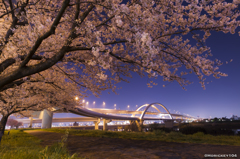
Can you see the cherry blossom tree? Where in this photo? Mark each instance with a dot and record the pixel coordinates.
(14, 123)
(45, 90)
(103, 41)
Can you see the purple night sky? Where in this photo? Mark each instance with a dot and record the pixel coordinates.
(221, 97)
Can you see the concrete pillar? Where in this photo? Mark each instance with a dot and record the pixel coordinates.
(47, 119)
(31, 121)
(132, 125)
(139, 124)
(168, 123)
(105, 121)
(96, 124)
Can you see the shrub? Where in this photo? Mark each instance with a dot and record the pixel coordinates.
(220, 131)
(159, 132)
(199, 134)
(175, 134)
(132, 127)
(156, 126)
(191, 130)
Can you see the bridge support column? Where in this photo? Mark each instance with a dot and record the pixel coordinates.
(96, 124)
(31, 121)
(105, 121)
(139, 124)
(168, 123)
(133, 126)
(47, 119)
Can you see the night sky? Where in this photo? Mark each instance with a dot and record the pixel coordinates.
(220, 98)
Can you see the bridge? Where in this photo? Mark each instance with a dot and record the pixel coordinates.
(107, 115)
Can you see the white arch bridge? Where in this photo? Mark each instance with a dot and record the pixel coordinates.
(107, 115)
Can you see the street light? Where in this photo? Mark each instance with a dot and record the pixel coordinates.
(94, 102)
(83, 101)
(104, 103)
(115, 105)
(76, 98)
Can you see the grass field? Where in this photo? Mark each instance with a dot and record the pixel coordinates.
(20, 145)
(157, 135)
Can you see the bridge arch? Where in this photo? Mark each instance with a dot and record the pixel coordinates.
(147, 105)
(152, 105)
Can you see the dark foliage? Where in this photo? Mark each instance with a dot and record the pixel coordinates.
(219, 131)
(206, 130)
(192, 130)
(156, 126)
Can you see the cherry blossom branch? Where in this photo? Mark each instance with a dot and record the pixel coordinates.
(21, 81)
(171, 78)
(2, 99)
(51, 83)
(14, 23)
(47, 34)
(8, 62)
(11, 7)
(17, 7)
(71, 77)
(76, 48)
(12, 84)
(23, 109)
(5, 5)
(25, 71)
(104, 22)
(79, 48)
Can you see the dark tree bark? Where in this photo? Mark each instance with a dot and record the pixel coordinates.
(2, 125)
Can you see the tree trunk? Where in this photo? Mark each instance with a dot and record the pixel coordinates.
(2, 125)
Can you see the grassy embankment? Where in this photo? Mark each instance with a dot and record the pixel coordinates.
(157, 135)
(20, 145)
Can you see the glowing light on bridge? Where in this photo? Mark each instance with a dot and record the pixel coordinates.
(128, 106)
(87, 103)
(83, 101)
(115, 105)
(104, 103)
(94, 102)
(76, 98)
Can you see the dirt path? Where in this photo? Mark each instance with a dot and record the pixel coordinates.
(113, 148)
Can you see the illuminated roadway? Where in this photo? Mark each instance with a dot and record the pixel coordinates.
(93, 114)
(117, 114)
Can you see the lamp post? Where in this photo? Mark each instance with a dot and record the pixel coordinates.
(87, 104)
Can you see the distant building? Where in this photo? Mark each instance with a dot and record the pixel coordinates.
(205, 120)
(225, 119)
(235, 117)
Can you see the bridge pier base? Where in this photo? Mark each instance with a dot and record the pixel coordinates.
(139, 124)
(46, 119)
(96, 124)
(31, 121)
(105, 121)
